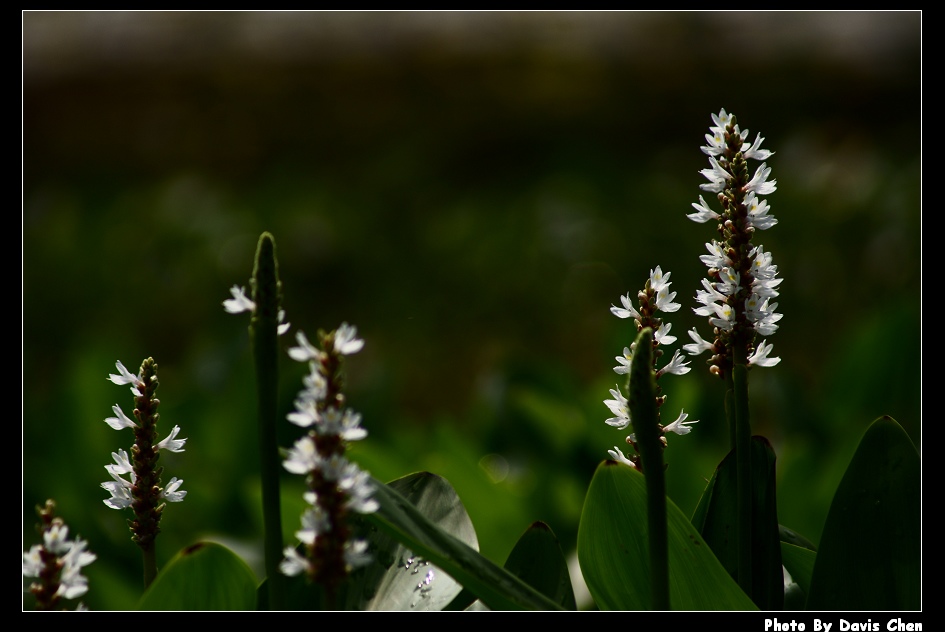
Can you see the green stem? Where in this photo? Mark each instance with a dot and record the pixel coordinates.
(743, 474)
(730, 410)
(150, 564)
(264, 337)
(645, 416)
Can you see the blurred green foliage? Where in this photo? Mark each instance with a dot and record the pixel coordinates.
(472, 191)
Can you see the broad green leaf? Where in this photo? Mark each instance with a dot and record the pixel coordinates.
(715, 517)
(612, 550)
(466, 600)
(537, 560)
(405, 523)
(400, 579)
(870, 549)
(204, 576)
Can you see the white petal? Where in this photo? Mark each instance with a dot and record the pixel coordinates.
(239, 303)
(305, 351)
(125, 376)
(170, 492)
(346, 341)
(170, 443)
(703, 212)
(293, 563)
(680, 426)
(760, 356)
(121, 421)
(627, 311)
(617, 455)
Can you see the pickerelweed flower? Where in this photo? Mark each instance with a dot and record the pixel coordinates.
(742, 279)
(136, 480)
(56, 563)
(336, 486)
(655, 297)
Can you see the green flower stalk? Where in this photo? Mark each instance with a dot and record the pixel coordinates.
(737, 295)
(641, 408)
(265, 327)
(336, 486)
(644, 408)
(142, 491)
(56, 563)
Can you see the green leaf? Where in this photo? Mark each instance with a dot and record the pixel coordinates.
(715, 517)
(398, 578)
(793, 537)
(612, 550)
(204, 576)
(797, 556)
(799, 564)
(406, 523)
(870, 548)
(538, 561)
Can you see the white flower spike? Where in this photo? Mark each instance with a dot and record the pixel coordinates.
(329, 424)
(742, 280)
(136, 481)
(57, 563)
(655, 297)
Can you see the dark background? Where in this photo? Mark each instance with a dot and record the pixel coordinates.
(472, 191)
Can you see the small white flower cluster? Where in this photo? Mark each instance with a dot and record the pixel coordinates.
(70, 557)
(242, 303)
(120, 488)
(659, 288)
(332, 425)
(716, 142)
(717, 299)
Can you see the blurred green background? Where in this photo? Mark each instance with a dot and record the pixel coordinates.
(472, 191)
